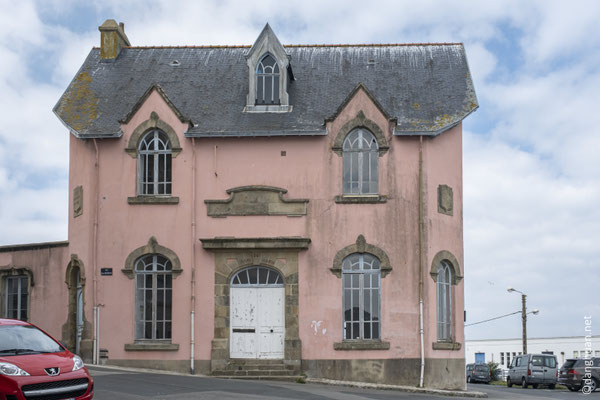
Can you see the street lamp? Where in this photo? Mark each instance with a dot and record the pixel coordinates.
(524, 316)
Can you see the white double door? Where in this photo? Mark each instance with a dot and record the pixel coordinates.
(257, 322)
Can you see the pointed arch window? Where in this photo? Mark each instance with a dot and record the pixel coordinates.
(360, 163)
(267, 81)
(154, 164)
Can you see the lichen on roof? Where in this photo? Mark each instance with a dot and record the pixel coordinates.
(425, 89)
(78, 107)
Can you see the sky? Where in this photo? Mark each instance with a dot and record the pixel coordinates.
(530, 152)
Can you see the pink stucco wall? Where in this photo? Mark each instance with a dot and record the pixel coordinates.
(48, 294)
(309, 170)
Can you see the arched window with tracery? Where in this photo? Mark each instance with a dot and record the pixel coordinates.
(361, 280)
(360, 163)
(257, 276)
(154, 164)
(153, 298)
(267, 81)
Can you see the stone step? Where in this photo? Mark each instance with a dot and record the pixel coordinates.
(237, 367)
(286, 378)
(255, 361)
(255, 372)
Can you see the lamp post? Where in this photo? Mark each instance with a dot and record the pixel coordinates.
(523, 316)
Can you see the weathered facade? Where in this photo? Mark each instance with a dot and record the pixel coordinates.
(295, 206)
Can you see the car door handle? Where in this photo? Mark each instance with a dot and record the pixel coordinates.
(237, 330)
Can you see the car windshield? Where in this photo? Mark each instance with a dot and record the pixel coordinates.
(568, 364)
(481, 368)
(25, 339)
(537, 361)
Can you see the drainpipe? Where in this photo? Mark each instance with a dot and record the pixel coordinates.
(96, 346)
(193, 243)
(421, 227)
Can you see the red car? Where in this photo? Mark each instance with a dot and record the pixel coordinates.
(35, 366)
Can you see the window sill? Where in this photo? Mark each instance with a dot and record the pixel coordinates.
(361, 345)
(153, 200)
(360, 199)
(152, 346)
(267, 108)
(446, 346)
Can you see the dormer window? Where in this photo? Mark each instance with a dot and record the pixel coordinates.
(267, 81)
(269, 75)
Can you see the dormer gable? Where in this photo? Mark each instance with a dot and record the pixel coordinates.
(269, 74)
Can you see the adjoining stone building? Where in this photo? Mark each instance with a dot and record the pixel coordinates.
(296, 206)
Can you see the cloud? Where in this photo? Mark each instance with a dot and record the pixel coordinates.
(531, 167)
(527, 228)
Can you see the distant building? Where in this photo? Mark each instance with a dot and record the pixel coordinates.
(503, 351)
(230, 204)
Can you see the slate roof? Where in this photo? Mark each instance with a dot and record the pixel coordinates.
(425, 88)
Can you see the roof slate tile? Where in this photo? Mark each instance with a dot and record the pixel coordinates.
(427, 89)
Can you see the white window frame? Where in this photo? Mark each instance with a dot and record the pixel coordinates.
(155, 266)
(355, 268)
(253, 277)
(360, 159)
(268, 73)
(22, 282)
(444, 301)
(156, 146)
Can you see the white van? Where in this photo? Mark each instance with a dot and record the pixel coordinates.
(534, 370)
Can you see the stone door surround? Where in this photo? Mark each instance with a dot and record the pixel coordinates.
(234, 254)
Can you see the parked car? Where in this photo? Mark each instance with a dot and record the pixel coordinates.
(478, 373)
(33, 365)
(534, 370)
(573, 373)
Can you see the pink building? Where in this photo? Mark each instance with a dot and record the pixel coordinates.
(260, 210)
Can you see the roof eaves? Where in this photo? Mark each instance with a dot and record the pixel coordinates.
(76, 133)
(101, 135)
(435, 132)
(265, 133)
(32, 246)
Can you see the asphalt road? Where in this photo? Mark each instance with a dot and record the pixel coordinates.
(517, 392)
(111, 384)
(122, 385)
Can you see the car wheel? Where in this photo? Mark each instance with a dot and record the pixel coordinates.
(535, 386)
(508, 382)
(551, 386)
(468, 379)
(593, 385)
(523, 383)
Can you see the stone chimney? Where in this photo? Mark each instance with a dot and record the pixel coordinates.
(112, 39)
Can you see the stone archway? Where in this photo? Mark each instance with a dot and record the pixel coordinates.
(77, 331)
(235, 254)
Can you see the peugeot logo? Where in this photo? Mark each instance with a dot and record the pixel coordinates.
(52, 371)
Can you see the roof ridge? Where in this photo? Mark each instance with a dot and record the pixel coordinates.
(297, 45)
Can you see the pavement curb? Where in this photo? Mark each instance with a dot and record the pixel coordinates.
(363, 385)
(408, 389)
(93, 367)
